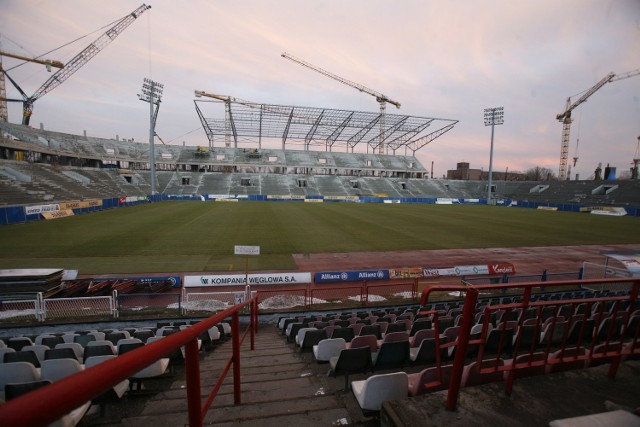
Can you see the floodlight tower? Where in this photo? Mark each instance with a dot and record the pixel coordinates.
(492, 117)
(152, 93)
(636, 161)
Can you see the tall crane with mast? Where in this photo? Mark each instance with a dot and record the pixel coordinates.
(48, 63)
(565, 117)
(382, 99)
(75, 63)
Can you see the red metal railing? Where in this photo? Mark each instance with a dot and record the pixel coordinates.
(61, 397)
(387, 289)
(570, 352)
(338, 292)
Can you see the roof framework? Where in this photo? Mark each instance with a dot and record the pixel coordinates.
(322, 128)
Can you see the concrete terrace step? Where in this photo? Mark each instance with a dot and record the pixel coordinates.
(280, 387)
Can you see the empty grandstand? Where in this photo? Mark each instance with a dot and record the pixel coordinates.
(38, 166)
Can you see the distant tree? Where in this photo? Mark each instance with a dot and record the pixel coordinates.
(539, 173)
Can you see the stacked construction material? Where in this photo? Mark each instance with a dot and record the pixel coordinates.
(18, 284)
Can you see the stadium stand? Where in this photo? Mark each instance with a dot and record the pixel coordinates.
(37, 165)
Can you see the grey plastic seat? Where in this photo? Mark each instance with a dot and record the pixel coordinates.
(375, 390)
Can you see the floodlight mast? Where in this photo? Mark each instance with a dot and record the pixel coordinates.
(383, 100)
(152, 93)
(492, 117)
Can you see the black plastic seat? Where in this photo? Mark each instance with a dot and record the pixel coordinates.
(350, 361)
(392, 355)
(23, 356)
(346, 333)
(60, 353)
(13, 390)
(311, 338)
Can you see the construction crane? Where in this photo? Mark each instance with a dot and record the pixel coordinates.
(565, 117)
(636, 161)
(383, 100)
(4, 115)
(75, 63)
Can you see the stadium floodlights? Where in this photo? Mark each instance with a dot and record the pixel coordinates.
(494, 116)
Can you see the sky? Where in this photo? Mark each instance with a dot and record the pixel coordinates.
(443, 59)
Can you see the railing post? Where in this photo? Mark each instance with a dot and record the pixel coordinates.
(235, 340)
(462, 342)
(192, 363)
(39, 308)
(252, 322)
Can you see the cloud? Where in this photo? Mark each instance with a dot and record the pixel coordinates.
(438, 59)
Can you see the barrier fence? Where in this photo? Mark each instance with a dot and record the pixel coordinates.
(270, 298)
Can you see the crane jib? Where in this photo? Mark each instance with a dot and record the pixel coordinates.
(80, 60)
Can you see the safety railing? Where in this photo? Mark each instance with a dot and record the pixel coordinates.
(398, 291)
(605, 331)
(148, 303)
(326, 296)
(59, 398)
(65, 308)
(282, 298)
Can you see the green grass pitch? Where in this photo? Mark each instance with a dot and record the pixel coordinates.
(200, 236)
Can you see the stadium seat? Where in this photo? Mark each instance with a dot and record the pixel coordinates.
(17, 343)
(328, 348)
(39, 350)
(427, 351)
(350, 361)
(345, 333)
(22, 356)
(364, 341)
(76, 347)
(56, 369)
(471, 374)
(375, 390)
(429, 380)
(391, 355)
(312, 338)
(17, 372)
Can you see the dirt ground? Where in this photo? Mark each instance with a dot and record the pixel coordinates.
(554, 259)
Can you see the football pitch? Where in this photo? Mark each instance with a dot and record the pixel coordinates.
(175, 237)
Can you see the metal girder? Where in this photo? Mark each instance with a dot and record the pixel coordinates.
(325, 127)
(388, 132)
(422, 141)
(405, 138)
(336, 133)
(362, 132)
(286, 128)
(312, 131)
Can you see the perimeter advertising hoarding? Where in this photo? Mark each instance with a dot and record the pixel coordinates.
(38, 209)
(471, 270)
(240, 279)
(175, 280)
(350, 276)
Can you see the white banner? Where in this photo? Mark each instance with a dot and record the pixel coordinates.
(460, 270)
(240, 279)
(246, 250)
(31, 210)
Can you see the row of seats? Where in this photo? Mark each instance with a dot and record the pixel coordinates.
(373, 391)
(27, 363)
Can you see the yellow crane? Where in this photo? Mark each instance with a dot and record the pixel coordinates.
(48, 63)
(565, 117)
(382, 99)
